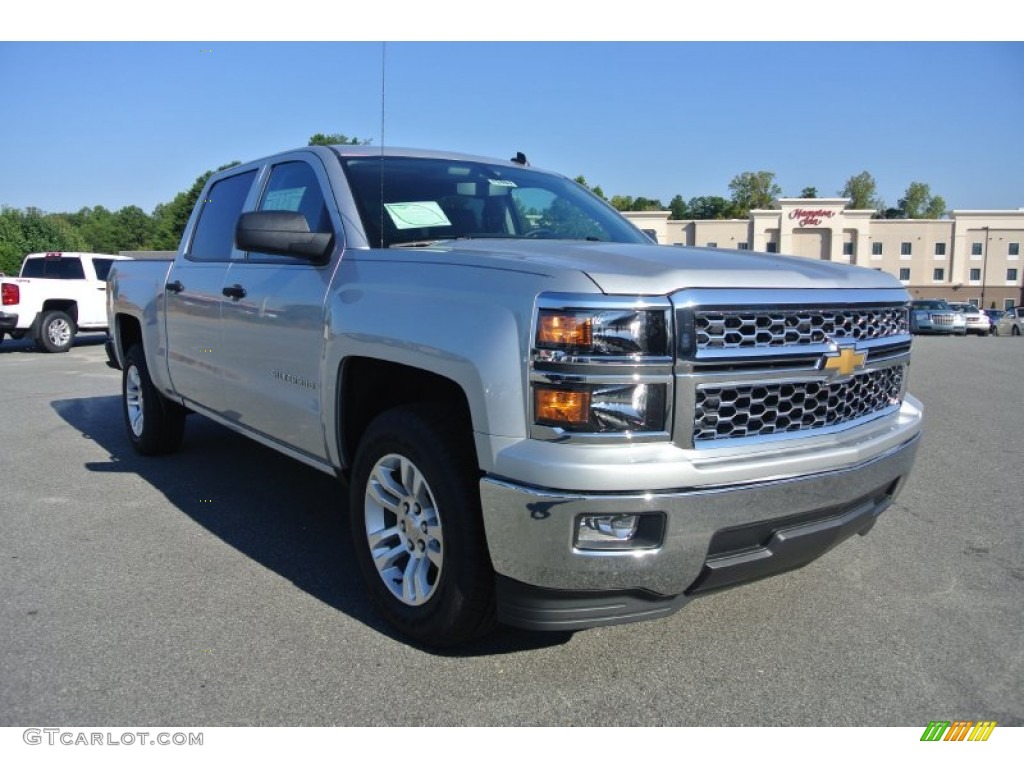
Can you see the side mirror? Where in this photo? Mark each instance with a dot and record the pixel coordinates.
(284, 233)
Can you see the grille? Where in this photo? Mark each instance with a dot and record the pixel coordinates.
(769, 409)
(941, 319)
(739, 329)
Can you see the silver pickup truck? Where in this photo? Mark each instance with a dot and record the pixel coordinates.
(542, 417)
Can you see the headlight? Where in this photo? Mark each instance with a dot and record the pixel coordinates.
(601, 333)
(601, 407)
(601, 366)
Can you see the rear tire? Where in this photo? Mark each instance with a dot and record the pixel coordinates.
(155, 425)
(56, 331)
(417, 528)
(1015, 331)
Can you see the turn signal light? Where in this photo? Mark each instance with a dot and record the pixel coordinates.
(561, 407)
(564, 330)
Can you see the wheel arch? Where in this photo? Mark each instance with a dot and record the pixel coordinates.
(367, 387)
(127, 331)
(69, 306)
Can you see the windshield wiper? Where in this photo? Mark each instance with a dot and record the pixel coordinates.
(418, 243)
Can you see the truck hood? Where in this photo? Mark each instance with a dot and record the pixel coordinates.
(624, 268)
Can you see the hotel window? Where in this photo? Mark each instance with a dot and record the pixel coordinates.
(743, 246)
(712, 244)
(1008, 304)
(905, 249)
(904, 273)
(876, 249)
(938, 274)
(975, 274)
(773, 247)
(1011, 275)
(847, 249)
(940, 249)
(1013, 249)
(975, 249)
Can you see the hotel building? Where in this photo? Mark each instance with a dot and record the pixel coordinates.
(971, 256)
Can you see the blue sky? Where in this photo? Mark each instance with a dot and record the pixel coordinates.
(121, 123)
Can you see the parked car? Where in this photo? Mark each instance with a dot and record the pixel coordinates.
(977, 321)
(936, 316)
(1011, 323)
(55, 296)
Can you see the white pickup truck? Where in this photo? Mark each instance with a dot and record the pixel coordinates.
(542, 416)
(55, 296)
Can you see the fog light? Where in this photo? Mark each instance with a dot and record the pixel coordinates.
(606, 531)
(621, 532)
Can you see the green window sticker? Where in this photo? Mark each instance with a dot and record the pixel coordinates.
(416, 215)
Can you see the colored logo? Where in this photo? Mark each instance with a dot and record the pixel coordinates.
(958, 730)
(845, 363)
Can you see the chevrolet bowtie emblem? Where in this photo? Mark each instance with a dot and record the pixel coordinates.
(846, 362)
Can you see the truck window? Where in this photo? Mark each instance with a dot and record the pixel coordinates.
(102, 268)
(215, 233)
(33, 268)
(61, 268)
(293, 186)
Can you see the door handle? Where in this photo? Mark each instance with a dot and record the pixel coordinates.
(234, 291)
(175, 287)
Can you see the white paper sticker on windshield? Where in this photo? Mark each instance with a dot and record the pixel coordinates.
(502, 182)
(415, 215)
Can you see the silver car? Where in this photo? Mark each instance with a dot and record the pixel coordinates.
(977, 321)
(1011, 323)
(936, 316)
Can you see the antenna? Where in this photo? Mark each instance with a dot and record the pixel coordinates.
(383, 59)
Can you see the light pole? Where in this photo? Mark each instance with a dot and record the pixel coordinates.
(984, 268)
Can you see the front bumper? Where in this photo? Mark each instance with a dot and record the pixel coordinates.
(713, 538)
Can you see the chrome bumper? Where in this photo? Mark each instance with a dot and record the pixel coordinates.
(530, 530)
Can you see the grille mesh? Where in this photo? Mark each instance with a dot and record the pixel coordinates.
(739, 329)
(769, 409)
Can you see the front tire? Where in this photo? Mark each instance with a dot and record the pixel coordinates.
(155, 425)
(417, 527)
(56, 331)
(1015, 331)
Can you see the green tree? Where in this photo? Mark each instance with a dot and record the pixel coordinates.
(582, 181)
(325, 139)
(135, 229)
(169, 219)
(753, 189)
(710, 207)
(647, 204)
(678, 208)
(862, 191)
(32, 231)
(809, 193)
(622, 202)
(98, 227)
(919, 203)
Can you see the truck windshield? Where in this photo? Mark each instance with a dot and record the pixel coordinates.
(417, 201)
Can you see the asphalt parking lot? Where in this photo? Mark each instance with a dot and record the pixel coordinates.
(217, 587)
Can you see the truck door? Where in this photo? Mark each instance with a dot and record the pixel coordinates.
(193, 295)
(273, 320)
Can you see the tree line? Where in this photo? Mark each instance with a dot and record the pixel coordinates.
(758, 190)
(100, 230)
